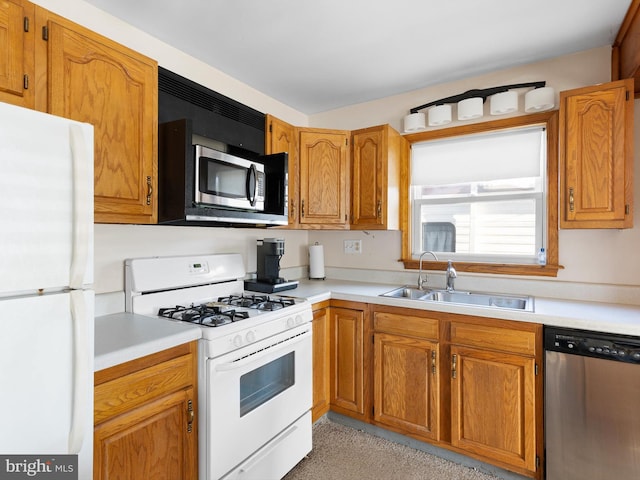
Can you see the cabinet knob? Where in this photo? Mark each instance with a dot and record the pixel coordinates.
(149, 190)
(454, 366)
(379, 209)
(433, 362)
(190, 416)
(302, 208)
(571, 200)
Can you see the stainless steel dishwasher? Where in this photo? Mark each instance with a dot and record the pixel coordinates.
(592, 405)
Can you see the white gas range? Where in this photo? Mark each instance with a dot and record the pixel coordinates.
(254, 365)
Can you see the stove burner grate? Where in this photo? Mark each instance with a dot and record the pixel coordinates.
(206, 315)
(257, 302)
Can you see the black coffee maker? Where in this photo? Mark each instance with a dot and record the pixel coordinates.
(268, 279)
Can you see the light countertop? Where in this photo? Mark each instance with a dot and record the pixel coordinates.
(604, 317)
(122, 337)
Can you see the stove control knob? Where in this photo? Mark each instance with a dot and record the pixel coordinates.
(298, 319)
(250, 336)
(237, 341)
(290, 323)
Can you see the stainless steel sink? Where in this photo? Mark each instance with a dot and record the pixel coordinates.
(412, 293)
(481, 299)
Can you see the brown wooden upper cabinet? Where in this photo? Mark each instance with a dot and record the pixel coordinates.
(596, 156)
(625, 54)
(16, 51)
(324, 178)
(92, 79)
(375, 174)
(282, 137)
(53, 65)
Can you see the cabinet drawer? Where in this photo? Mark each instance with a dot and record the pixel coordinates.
(406, 325)
(121, 394)
(494, 337)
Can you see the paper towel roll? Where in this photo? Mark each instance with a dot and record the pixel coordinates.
(316, 261)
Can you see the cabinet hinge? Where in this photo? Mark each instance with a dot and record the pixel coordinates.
(346, 142)
(536, 369)
(25, 81)
(373, 411)
(270, 128)
(627, 209)
(537, 462)
(25, 24)
(627, 92)
(45, 33)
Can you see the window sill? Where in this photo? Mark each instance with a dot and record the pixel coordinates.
(494, 268)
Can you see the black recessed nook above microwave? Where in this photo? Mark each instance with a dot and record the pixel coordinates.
(211, 165)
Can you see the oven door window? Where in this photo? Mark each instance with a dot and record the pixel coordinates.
(262, 384)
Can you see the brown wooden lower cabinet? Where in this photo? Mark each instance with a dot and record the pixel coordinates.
(145, 418)
(406, 374)
(349, 359)
(469, 384)
(321, 360)
(493, 406)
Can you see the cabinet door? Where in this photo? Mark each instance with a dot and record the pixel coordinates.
(406, 384)
(281, 137)
(369, 159)
(95, 80)
(347, 360)
(17, 52)
(321, 363)
(493, 405)
(156, 440)
(596, 126)
(324, 177)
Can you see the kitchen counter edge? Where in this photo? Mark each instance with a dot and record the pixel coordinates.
(121, 337)
(594, 316)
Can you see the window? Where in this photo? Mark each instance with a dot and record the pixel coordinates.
(485, 195)
(481, 197)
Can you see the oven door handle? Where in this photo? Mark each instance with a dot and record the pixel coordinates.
(242, 361)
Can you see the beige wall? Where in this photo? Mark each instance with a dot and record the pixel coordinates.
(593, 256)
(602, 258)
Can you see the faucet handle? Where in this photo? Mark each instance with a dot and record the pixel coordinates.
(451, 271)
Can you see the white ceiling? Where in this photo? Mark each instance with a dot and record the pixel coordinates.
(317, 55)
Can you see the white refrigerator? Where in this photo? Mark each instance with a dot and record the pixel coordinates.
(46, 296)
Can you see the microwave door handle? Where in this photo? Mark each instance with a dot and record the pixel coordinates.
(252, 184)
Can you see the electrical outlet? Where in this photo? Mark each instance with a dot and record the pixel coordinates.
(353, 246)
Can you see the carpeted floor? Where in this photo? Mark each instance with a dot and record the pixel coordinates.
(343, 453)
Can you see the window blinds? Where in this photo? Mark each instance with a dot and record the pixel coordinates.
(482, 157)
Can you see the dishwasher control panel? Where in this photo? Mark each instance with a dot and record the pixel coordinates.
(622, 348)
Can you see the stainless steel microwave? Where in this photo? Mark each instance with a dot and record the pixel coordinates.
(199, 184)
(228, 181)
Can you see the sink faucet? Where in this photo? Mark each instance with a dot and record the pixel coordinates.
(451, 275)
(422, 281)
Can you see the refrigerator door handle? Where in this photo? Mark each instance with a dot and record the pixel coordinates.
(81, 361)
(82, 206)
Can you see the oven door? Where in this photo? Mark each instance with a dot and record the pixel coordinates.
(254, 394)
(224, 180)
